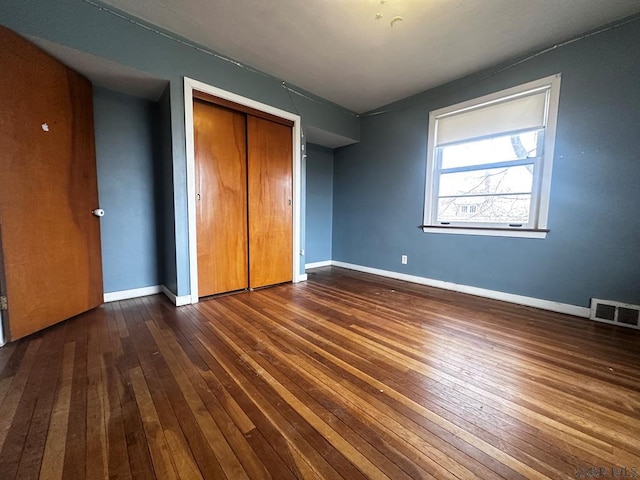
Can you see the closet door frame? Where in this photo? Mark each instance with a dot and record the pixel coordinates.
(190, 86)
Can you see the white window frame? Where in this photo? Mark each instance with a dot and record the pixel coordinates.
(537, 227)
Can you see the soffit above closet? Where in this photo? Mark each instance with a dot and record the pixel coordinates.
(105, 73)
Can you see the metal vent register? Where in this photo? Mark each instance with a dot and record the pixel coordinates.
(617, 313)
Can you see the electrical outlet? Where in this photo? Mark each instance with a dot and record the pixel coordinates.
(404, 259)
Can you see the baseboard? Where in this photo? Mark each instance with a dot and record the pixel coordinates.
(302, 277)
(134, 293)
(480, 292)
(325, 263)
(177, 301)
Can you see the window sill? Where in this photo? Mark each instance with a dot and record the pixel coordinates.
(484, 231)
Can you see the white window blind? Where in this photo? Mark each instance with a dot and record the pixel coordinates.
(489, 162)
(507, 115)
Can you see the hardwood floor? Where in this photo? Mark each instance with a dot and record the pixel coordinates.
(346, 376)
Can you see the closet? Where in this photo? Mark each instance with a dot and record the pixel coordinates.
(244, 212)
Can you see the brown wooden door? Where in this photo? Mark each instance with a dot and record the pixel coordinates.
(270, 202)
(50, 241)
(221, 202)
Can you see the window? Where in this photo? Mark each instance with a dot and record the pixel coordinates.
(489, 163)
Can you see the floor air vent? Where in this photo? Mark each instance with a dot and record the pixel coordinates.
(617, 313)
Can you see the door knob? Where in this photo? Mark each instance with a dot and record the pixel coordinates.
(98, 212)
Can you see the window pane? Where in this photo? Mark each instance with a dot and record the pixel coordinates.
(496, 209)
(490, 150)
(493, 180)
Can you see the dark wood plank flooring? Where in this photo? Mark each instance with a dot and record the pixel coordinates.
(346, 376)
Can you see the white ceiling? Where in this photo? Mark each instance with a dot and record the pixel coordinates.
(337, 49)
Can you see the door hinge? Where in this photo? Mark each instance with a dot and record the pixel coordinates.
(3, 303)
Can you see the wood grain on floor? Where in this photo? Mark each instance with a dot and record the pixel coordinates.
(346, 376)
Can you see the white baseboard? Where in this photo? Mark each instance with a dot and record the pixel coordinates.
(456, 287)
(177, 301)
(325, 263)
(480, 292)
(302, 277)
(134, 293)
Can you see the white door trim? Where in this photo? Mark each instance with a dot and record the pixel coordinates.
(189, 86)
(2, 341)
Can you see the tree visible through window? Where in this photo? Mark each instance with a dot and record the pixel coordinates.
(488, 179)
(490, 160)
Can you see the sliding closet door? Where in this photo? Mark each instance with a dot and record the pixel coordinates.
(221, 201)
(270, 202)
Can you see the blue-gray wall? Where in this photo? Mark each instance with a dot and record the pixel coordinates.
(593, 247)
(125, 156)
(379, 184)
(85, 27)
(164, 195)
(319, 199)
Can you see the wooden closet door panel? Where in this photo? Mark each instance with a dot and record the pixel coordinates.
(221, 205)
(50, 241)
(270, 202)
